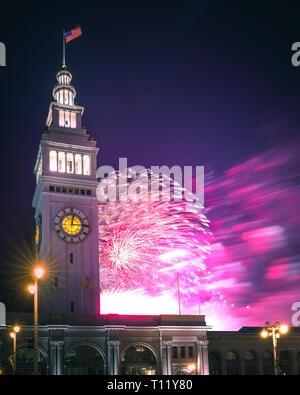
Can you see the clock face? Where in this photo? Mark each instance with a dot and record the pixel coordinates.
(71, 225)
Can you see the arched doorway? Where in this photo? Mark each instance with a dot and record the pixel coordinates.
(232, 363)
(138, 360)
(25, 361)
(250, 363)
(214, 363)
(84, 360)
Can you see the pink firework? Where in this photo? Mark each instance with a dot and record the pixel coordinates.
(152, 246)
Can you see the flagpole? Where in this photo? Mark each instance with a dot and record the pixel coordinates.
(64, 49)
(178, 290)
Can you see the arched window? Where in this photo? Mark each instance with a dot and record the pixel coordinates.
(250, 363)
(138, 360)
(61, 162)
(25, 361)
(78, 164)
(284, 363)
(53, 160)
(268, 363)
(214, 363)
(70, 163)
(86, 165)
(84, 360)
(232, 363)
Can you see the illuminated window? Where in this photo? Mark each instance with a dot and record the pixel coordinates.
(86, 165)
(66, 97)
(78, 164)
(61, 117)
(70, 163)
(73, 120)
(53, 160)
(61, 162)
(67, 119)
(61, 96)
(64, 118)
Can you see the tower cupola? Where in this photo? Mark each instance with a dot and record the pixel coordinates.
(64, 92)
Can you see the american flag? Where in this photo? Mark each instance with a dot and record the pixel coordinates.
(72, 34)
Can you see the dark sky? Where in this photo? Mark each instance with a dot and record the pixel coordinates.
(162, 83)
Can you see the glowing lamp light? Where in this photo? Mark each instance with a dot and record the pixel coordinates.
(39, 272)
(17, 328)
(12, 335)
(191, 367)
(264, 334)
(284, 329)
(31, 289)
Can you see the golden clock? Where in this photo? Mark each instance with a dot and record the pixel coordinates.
(71, 225)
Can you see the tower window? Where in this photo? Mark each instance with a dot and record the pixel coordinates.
(82, 191)
(72, 307)
(66, 97)
(73, 120)
(78, 164)
(70, 163)
(191, 351)
(67, 119)
(51, 188)
(86, 165)
(61, 162)
(71, 257)
(53, 160)
(56, 281)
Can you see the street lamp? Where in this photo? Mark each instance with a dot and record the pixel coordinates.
(38, 273)
(13, 335)
(274, 331)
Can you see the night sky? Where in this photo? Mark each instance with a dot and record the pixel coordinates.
(162, 82)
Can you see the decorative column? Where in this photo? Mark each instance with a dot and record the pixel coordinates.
(56, 357)
(169, 357)
(202, 357)
(163, 357)
(60, 358)
(110, 356)
(113, 357)
(205, 357)
(199, 358)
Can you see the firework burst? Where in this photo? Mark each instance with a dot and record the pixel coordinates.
(146, 244)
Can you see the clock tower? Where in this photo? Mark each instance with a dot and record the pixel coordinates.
(66, 207)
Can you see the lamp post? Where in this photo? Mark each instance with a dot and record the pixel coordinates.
(13, 335)
(274, 331)
(38, 273)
